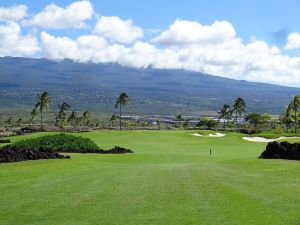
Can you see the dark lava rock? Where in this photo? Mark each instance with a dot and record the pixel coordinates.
(12, 154)
(29, 130)
(116, 150)
(283, 150)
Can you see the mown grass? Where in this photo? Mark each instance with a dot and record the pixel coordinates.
(171, 179)
(272, 135)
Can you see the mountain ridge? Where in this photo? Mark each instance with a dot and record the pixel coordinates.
(94, 87)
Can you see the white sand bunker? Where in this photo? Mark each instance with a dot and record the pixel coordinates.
(265, 140)
(197, 135)
(217, 135)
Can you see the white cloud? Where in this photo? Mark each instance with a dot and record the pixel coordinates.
(213, 49)
(83, 49)
(293, 41)
(55, 17)
(13, 43)
(116, 29)
(13, 13)
(184, 32)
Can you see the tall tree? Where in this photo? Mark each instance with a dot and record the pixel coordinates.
(294, 107)
(61, 116)
(33, 113)
(225, 114)
(9, 121)
(239, 107)
(179, 117)
(86, 118)
(43, 102)
(258, 121)
(72, 118)
(158, 122)
(112, 119)
(19, 121)
(286, 118)
(121, 101)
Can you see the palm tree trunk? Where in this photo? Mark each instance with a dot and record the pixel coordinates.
(224, 124)
(120, 117)
(41, 120)
(236, 117)
(295, 124)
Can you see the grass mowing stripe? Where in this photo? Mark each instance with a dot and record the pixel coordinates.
(170, 179)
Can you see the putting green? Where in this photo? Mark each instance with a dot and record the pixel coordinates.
(171, 179)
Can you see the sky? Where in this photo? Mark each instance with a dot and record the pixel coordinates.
(247, 40)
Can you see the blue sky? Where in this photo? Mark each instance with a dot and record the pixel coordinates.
(269, 20)
(251, 40)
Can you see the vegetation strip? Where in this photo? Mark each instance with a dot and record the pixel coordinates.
(266, 140)
(48, 147)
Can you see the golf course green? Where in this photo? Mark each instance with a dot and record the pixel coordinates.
(170, 179)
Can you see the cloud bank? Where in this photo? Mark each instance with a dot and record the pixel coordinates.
(55, 17)
(208, 48)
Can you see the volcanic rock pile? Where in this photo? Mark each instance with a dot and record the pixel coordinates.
(10, 153)
(283, 150)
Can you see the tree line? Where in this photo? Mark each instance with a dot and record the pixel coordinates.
(228, 114)
(289, 118)
(43, 103)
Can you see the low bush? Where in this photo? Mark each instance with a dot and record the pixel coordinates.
(66, 143)
(283, 150)
(58, 143)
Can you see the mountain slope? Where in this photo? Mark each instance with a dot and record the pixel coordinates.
(95, 86)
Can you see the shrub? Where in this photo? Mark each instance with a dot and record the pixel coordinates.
(65, 143)
(208, 123)
(58, 143)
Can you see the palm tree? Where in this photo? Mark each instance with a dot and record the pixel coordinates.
(61, 116)
(43, 102)
(158, 122)
(286, 117)
(225, 114)
(32, 115)
(86, 118)
(179, 117)
(122, 100)
(294, 106)
(239, 107)
(72, 118)
(19, 121)
(112, 119)
(9, 121)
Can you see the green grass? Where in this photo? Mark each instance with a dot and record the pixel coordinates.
(171, 179)
(272, 135)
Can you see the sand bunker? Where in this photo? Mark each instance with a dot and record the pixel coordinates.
(265, 140)
(210, 135)
(197, 135)
(217, 135)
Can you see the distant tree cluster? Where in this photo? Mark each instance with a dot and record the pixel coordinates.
(290, 116)
(229, 116)
(226, 112)
(257, 122)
